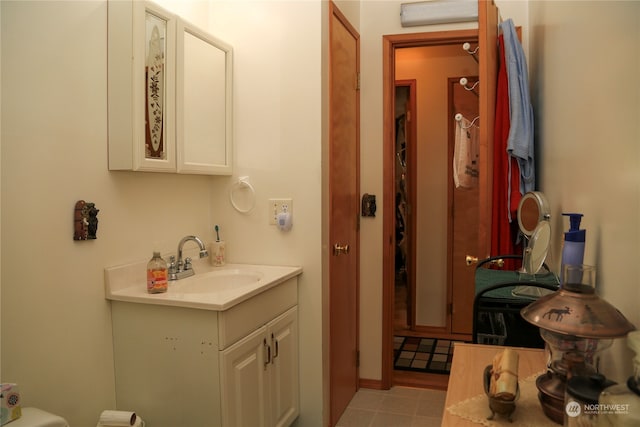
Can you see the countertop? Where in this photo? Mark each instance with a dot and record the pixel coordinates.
(128, 283)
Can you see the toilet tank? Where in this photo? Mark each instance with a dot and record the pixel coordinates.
(34, 417)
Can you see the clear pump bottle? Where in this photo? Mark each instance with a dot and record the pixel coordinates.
(157, 275)
(619, 405)
(573, 244)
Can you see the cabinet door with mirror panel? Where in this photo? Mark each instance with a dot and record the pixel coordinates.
(169, 93)
(203, 112)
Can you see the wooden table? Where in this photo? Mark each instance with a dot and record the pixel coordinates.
(465, 379)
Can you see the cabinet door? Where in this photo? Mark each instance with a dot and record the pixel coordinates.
(244, 370)
(203, 100)
(284, 377)
(141, 87)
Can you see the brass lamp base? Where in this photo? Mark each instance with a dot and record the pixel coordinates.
(551, 390)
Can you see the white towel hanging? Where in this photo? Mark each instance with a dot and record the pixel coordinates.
(466, 153)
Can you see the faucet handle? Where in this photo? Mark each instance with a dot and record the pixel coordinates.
(187, 263)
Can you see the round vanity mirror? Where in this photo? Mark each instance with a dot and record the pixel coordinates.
(536, 251)
(532, 210)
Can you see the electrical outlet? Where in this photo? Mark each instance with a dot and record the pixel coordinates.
(277, 206)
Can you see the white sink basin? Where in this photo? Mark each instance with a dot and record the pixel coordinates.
(211, 288)
(216, 281)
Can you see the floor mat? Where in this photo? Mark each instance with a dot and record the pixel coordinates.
(431, 355)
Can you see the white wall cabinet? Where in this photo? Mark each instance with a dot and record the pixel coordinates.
(169, 93)
(259, 375)
(179, 366)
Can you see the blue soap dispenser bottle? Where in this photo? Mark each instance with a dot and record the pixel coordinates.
(573, 245)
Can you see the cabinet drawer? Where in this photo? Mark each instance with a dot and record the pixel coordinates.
(246, 317)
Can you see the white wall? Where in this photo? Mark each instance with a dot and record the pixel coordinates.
(56, 332)
(0, 197)
(56, 326)
(277, 91)
(584, 66)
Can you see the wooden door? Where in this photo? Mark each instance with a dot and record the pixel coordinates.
(463, 223)
(478, 203)
(344, 208)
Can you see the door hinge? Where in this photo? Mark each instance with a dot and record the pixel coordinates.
(358, 81)
(450, 308)
(357, 358)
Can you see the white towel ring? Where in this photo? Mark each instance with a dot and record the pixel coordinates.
(242, 183)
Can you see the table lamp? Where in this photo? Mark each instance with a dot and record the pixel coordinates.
(576, 324)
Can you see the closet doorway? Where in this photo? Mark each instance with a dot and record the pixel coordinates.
(442, 250)
(436, 197)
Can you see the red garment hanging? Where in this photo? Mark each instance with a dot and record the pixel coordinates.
(503, 231)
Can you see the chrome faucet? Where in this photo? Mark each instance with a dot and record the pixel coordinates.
(180, 269)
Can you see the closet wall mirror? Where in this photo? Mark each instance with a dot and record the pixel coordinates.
(169, 93)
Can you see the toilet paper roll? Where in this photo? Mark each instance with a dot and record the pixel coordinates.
(117, 418)
(504, 378)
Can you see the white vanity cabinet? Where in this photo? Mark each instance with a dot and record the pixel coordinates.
(179, 366)
(260, 376)
(169, 93)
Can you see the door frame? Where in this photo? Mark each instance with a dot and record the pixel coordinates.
(390, 44)
(487, 34)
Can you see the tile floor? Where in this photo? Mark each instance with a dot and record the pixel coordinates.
(398, 407)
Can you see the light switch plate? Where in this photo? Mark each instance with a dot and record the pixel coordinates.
(277, 206)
